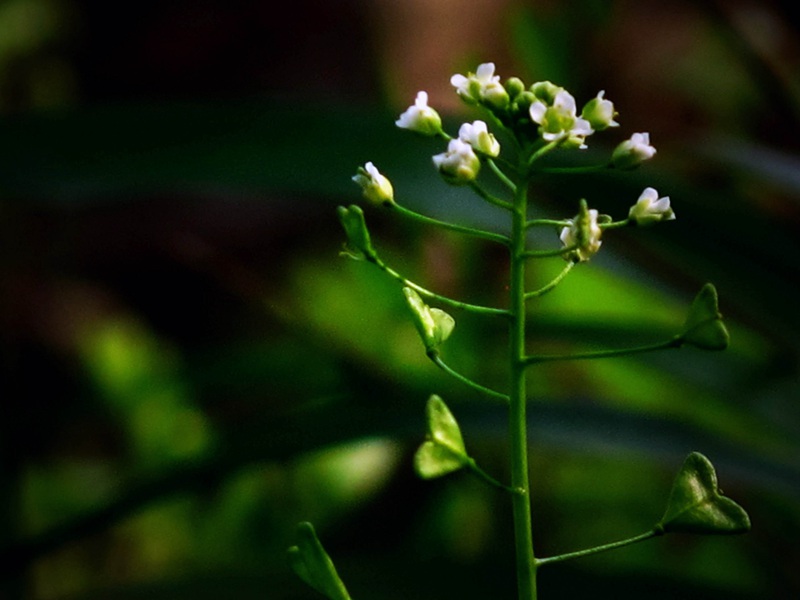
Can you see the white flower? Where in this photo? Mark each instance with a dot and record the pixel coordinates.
(460, 164)
(481, 86)
(477, 135)
(632, 152)
(560, 121)
(600, 113)
(420, 117)
(651, 209)
(377, 188)
(582, 234)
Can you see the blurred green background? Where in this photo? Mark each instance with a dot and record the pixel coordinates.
(189, 367)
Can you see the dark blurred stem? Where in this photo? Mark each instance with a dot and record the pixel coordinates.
(671, 343)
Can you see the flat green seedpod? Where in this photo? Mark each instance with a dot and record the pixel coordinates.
(359, 244)
(433, 324)
(696, 504)
(703, 327)
(313, 565)
(443, 451)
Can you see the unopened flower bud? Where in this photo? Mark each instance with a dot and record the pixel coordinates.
(649, 208)
(477, 135)
(522, 103)
(459, 165)
(514, 87)
(420, 117)
(377, 188)
(632, 152)
(545, 91)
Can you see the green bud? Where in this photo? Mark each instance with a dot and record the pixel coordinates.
(358, 244)
(514, 87)
(523, 101)
(496, 97)
(313, 565)
(434, 325)
(703, 327)
(443, 450)
(696, 504)
(545, 91)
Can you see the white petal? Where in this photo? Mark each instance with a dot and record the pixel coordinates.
(649, 194)
(484, 72)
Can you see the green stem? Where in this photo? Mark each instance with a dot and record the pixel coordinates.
(596, 550)
(549, 253)
(549, 147)
(486, 235)
(571, 170)
(672, 343)
(489, 198)
(473, 466)
(437, 360)
(544, 289)
(473, 308)
(615, 224)
(547, 222)
(501, 176)
(518, 433)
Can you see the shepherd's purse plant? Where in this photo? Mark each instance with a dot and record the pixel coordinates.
(535, 121)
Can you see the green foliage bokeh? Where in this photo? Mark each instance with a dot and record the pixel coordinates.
(189, 368)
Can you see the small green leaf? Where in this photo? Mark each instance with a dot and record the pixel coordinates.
(313, 565)
(696, 504)
(359, 245)
(433, 324)
(703, 327)
(443, 450)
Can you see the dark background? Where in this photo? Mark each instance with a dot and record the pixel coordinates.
(189, 367)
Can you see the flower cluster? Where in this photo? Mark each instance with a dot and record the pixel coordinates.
(540, 118)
